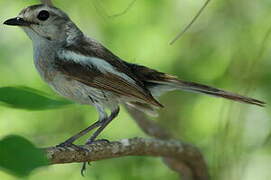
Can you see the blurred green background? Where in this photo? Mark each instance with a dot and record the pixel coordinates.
(228, 47)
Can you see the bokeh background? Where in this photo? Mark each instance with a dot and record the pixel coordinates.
(228, 47)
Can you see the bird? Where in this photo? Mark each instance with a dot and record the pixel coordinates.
(83, 70)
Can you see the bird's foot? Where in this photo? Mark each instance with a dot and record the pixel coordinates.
(90, 141)
(84, 168)
(68, 145)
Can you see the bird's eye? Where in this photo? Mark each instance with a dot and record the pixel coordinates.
(43, 15)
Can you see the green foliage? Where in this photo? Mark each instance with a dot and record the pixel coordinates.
(19, 156)
(28, 98)
(228, 47)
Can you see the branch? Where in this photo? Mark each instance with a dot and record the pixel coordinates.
(194, 168)
(126, 147)
(148, 126)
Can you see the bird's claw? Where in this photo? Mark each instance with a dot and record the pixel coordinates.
(83, 169)
(66, 145)
(97, 141)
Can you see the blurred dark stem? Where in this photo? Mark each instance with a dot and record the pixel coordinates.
(102, 10)
(180, 34)
(189, 169)
(254, 66)
(124, 11)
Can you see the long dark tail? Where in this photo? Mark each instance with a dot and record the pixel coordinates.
(204, 89)
(159, 83)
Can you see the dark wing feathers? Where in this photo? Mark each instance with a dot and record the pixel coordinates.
(92, 48)
(92, 77)
(144, 77)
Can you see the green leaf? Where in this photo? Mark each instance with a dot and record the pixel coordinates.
(28, 98)
(18, 156)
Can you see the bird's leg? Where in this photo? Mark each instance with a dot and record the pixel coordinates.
(103, 125)
(102, 117)
(92, 138)
(69, 142)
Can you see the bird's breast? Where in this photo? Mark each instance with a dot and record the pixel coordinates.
(45, 69)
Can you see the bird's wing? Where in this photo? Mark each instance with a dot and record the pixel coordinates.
(99, 73)
(91, 48)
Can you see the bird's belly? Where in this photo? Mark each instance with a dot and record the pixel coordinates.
(82, 93)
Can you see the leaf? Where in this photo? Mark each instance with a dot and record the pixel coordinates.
(28, 98)
(18, 156)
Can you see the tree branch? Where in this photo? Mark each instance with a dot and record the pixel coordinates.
(189, 170)
(148, 126)
(126, 147)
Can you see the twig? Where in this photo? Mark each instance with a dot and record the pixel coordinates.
(190, 24)
(124, 11)
(101, 10)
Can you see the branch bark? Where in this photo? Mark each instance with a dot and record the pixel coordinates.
(181, 157)
(126, 147)
(193, 169)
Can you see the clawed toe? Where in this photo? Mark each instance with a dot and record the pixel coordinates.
(66, 145)
(98, 141)
(84, 168)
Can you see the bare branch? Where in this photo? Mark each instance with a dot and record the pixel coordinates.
(179, 166)
(195, 171)
(148, 126)
(125, 147)
(173, 149)
(190, 24)
(49, 2)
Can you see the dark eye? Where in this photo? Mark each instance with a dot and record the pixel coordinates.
(43, 15)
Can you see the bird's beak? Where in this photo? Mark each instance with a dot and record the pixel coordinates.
(17, 22)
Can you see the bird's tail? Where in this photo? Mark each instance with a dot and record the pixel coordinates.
(159, 83)
(170, 83)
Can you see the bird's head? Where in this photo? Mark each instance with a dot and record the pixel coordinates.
(45, 23)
